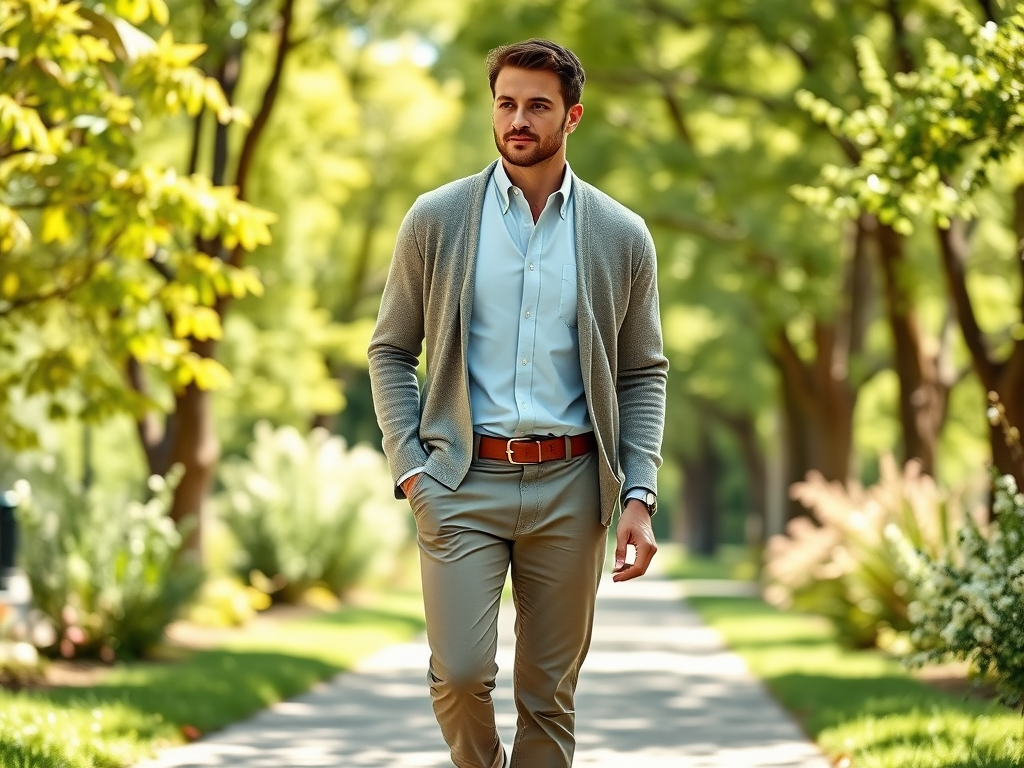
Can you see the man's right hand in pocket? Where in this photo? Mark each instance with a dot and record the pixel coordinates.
(409, 483)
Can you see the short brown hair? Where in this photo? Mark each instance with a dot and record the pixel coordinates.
(540, 54)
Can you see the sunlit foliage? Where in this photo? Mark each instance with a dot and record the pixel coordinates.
(98, 256)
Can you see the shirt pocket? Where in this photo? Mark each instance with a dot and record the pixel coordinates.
(567, 299)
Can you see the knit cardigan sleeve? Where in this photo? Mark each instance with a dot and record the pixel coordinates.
(642, 374)
(394, 354)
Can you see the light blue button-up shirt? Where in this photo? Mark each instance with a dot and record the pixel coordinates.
(524, 355)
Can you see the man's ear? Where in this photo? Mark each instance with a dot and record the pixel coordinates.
(572, 118)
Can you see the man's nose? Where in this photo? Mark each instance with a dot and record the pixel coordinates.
(520, 120)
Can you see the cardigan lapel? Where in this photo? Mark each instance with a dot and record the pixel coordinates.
(584, 282)
(464, 261)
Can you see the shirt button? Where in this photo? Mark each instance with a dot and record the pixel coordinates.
(531, 267)
(527, 313)
(524, 361)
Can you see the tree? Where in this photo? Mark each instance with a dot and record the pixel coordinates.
(185, 433)
(100, 277)
(932, 141)
(693, 120)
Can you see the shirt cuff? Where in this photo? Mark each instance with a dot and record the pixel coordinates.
(637, 493)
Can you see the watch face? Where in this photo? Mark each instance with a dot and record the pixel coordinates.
(651, 501)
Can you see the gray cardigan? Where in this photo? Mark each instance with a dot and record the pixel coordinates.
(429, 296)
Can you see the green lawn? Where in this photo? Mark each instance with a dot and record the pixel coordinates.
(731, 562)
(139, 707)
(863, 704)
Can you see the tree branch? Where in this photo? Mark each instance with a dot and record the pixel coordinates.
(904, 58)
(156, 438)
(197, 135)
(945, 366)
(667, 79)
(363, 254)
(270, 94)
(989, 9)
(954, 250)
(791, 365)
(227, 75)
(8, 307)
(675, 113)
(259, 123)
(1018, 229)
(685, 22)
(713, 230)
(162, 269)
(857, 293)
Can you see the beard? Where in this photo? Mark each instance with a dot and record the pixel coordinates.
(539, 150)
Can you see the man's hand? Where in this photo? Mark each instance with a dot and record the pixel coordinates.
(634, 528)
(409, 483)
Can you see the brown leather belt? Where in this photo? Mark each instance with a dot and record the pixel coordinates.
(530, 450)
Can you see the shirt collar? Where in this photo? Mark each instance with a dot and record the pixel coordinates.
(565, 190)
(504, 186)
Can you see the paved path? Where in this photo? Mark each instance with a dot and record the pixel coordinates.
(658, 690)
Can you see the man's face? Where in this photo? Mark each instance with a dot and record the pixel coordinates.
(530, 118)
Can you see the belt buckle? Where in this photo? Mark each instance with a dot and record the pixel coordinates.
(508, 450)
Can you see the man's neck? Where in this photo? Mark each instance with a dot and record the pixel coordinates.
(538, 182)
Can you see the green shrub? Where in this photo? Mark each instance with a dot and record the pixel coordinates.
(840, 564)
(310, 511)
(105, 572)
(970, 603)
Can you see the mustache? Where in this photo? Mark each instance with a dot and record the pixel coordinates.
(526, 133)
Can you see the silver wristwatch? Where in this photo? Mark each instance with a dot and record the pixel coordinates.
(650, 501)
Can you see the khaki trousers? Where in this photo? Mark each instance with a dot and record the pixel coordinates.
(543, 521)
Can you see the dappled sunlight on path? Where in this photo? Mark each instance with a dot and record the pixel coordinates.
(658, 691)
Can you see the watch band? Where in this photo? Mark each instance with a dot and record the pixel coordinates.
(650, 501)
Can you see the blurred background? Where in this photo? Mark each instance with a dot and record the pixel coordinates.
(199, 203)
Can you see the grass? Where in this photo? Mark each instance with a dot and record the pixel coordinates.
(139, 707)
(863, 705)
(731, 562)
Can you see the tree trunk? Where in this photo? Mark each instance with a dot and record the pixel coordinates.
(345, 311)
(818, 405)
(818, 395)
(197, 448)
(188, 434)
(700, 503)
(745, 431)
(923, 393)
(797, 460)
(1005, 378)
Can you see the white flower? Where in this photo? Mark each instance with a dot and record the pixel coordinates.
(949, 633)
(1008, 484)
(983, 634)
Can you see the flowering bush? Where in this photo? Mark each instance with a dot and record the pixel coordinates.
(105, 572)
(839, 564)
(308, 510)
(970, 603)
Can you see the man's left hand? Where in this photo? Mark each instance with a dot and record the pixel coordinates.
(634, 528)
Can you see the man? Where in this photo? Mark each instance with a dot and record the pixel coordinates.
(540, 415)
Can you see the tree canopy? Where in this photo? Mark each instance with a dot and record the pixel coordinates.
(98, 262)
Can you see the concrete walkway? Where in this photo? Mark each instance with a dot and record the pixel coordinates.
(658, 690)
